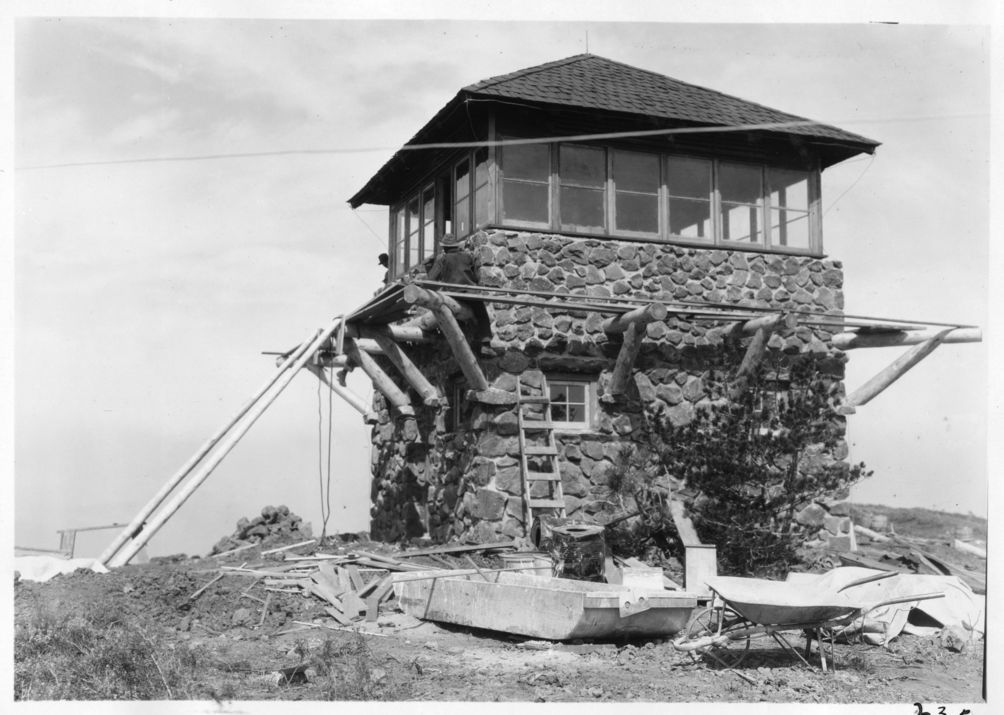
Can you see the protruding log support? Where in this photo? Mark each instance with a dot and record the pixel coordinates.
(381, 381)
(893, 338)
(639, 316)
(625, 359)
(413, 333)
(431, 299)
(895, 370)
(369, 416)
(445, 310)
(400, 360)
(770, 323)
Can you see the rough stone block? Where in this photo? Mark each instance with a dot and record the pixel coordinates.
(489, 504)
(509, 479)
(812, 515)
(506, 424)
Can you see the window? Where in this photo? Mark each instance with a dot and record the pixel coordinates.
(741, 189)
(583, 178)
(428, 223)
(636, 192)
(788, 201)
(462, 189)
(414, 229)
(526, 184)
(572, 400)
(482, 189)
(690, 189)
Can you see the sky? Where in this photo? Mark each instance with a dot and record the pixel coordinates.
(148, 278)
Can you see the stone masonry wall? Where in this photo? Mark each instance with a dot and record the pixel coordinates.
(455, 473)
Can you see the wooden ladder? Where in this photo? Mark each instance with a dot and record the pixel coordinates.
(546, 453)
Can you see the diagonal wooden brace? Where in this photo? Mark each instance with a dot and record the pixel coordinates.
(381, 381)
(896, 369)
(352, 398)
(625, 360)
(393, 352)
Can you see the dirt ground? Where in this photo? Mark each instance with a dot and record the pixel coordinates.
(240, 650)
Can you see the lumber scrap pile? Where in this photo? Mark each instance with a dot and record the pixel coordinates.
(354, 586)
(905, 555)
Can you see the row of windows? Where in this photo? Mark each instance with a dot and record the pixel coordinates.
(616, 192)
(585, 189)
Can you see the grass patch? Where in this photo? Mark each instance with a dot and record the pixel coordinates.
(96, 655)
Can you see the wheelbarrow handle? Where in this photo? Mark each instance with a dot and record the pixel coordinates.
(868, 579)
(903, 599)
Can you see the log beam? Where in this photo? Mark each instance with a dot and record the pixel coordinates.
(769, 322)
(408, 333)
(369, 416)
(625, 360)
(381, 381)
(393, 351)
(445, 311)
(896, 369)
(893, 338)
(639, 316)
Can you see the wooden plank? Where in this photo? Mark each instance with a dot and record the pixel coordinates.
(684, 526)
(352, 605)
(864, 562)
(458, 549)
(354, 578)
(338, 615)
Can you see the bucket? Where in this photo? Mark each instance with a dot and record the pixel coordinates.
(535, 564)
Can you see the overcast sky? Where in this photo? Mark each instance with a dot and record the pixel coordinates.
(145, 290)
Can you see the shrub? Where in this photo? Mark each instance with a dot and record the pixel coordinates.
(753, 455)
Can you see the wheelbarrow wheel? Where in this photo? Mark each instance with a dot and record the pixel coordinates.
(715, 620)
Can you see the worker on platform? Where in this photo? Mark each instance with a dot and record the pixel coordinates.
(384, 260)
(456, 266)
(453, 265)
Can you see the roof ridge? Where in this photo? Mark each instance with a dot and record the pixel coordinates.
(490, 81)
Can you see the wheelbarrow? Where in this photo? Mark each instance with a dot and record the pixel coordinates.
(745, 608)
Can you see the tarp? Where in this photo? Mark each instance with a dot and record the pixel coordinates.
(42, 568)
(959, 608)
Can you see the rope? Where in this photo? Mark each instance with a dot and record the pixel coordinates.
(323, 484)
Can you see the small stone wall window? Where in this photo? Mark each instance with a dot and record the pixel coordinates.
(572, 402)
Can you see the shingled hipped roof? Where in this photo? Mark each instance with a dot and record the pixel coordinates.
(592, 82)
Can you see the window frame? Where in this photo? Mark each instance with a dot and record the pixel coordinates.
(549, 185)
(590, 383)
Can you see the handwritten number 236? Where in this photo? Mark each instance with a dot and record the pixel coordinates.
(941, 710)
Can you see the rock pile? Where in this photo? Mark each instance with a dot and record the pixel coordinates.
(274, 524)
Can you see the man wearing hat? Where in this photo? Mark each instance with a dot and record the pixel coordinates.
(453, 265)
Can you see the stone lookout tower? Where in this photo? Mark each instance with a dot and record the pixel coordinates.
(622, 226)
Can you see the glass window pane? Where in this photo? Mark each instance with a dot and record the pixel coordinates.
(739, 183)
(582, 166)
(462, 180)
(526, 161)
(789, 228)
(690, 218)
(577, 393)
(481, 205)
(559, 413)
(576, 413)
(638, 212)
(581, 207)
(462, 217)
(788, 188)
(740, 223)
(428, 221)
(522, 201)
(480, 166)
(689, 177)
(413, 231)
(634, 171)
(399, 237)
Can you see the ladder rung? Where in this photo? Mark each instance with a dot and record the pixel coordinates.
(537, 451)
(537, 424)
(536, 400)
(542, 477)
(546, 503)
